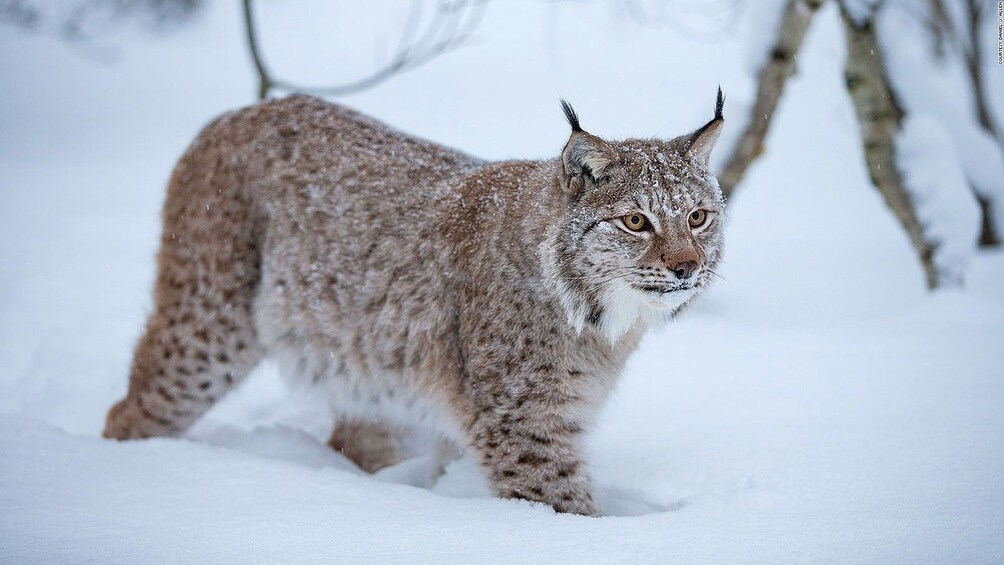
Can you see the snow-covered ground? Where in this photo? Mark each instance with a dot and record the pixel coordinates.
(819, 405)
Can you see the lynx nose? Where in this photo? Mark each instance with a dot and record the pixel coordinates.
(684, 270)
(683, 264)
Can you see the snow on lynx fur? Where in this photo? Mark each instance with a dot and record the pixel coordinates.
(494, 304)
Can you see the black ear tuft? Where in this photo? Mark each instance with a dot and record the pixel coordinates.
(571, 116)
(703, 140)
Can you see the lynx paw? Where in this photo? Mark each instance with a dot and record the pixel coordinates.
(582, 505)
(128, 420)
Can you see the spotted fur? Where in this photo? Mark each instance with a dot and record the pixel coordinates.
(491, 303)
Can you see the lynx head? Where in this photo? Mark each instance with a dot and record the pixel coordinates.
(641, 232)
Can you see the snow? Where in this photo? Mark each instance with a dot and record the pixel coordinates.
(817, 405)
(861, 11)
(937, 185)
(940, 89)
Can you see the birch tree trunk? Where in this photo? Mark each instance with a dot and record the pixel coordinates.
(880, 119)
(965, 38)
(779, 66)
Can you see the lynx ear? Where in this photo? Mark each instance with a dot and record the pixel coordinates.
(702, 141)
(585, 155)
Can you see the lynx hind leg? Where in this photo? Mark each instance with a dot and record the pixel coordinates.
(371, 446)
(200, 339)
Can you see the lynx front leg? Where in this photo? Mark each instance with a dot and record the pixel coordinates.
(523, 406)
(531, 450)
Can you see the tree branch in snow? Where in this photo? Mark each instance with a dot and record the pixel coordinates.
(880, 119)
(82, 23)
(989, 233)
(964, 38)
(974, 63)
(939, 24)
(779, 66)
(452, 26)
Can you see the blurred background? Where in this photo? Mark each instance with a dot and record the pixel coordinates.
(847, 380)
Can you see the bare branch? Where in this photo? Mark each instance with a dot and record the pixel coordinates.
(452, 26)
(264, 81)
(777, 69)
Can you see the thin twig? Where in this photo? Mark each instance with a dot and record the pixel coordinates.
(452, 27)
(264, 80)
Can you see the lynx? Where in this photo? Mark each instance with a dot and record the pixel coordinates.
(492, 303)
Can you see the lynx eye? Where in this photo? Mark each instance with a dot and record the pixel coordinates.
(697, 218)
(635, 221)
